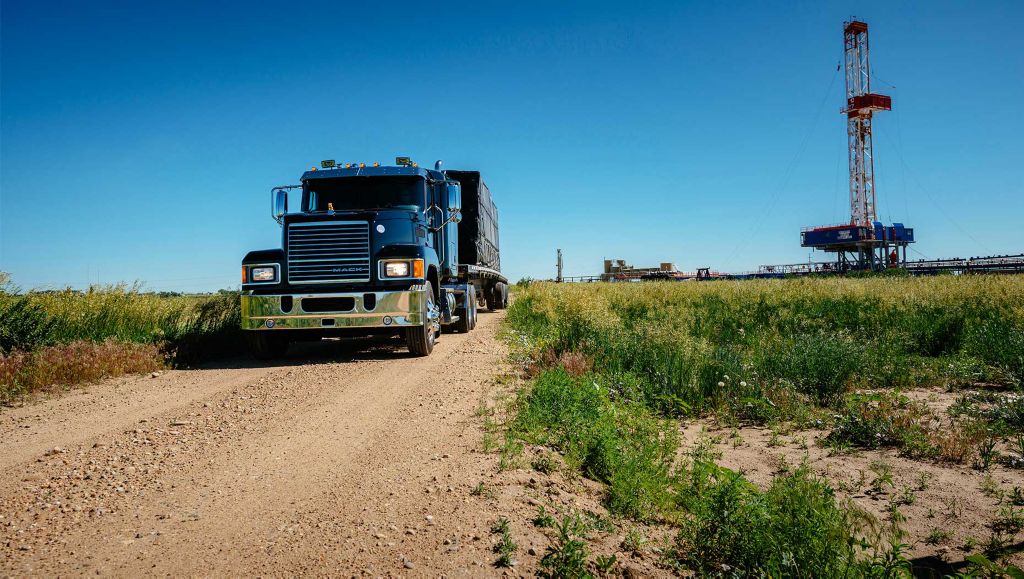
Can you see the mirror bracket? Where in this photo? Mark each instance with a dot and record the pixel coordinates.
(279, 202)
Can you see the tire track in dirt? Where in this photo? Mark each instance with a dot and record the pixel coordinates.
(83, 415)
(322, 466)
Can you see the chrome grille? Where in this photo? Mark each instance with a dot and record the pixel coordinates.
(329, 251)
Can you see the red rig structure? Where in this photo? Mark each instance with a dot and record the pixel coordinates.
(864, 243)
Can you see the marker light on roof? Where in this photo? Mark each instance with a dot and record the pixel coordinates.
(376, 164)
(362, 165)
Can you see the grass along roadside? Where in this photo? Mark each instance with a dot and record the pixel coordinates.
(614, 366)
(75, 363)
(795, 527)
(52, 340)
(770, 351)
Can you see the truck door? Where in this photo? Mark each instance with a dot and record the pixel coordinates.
(451, 197)
(446, 237)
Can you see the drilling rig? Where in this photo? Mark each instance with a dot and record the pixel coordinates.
(864, 243)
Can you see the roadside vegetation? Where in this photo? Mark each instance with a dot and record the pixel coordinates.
(613, 367)
(56, 339)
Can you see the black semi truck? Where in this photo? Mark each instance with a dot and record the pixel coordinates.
(375, 249)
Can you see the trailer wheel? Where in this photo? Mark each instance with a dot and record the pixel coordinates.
(497, 298)
(267, 344)
(493, 295)
(420, 339)
(467, 317)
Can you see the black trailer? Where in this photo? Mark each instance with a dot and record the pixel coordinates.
(478, 230)
(479, 247)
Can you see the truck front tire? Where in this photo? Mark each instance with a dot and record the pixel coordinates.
(420, 339)
(267, 345)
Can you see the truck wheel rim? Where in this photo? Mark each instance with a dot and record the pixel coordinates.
(433, 322)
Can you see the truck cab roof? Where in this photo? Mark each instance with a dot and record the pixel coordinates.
(372, 172)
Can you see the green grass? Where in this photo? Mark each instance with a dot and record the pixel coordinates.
(702, 347)
(614, 366)
(795, 528)
(129, 324)
(1002, 412)
(623, 445)
(791, 350)
(188, 328)
(890, 420)
(505, 548)
(567, 555)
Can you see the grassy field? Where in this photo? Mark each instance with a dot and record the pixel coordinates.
(58, 339)
(614, 367)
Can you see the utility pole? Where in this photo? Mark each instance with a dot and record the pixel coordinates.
(558, 278)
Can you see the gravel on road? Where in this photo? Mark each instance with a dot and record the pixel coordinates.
(341, 459)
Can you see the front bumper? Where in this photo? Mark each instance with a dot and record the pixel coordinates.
(391, 309)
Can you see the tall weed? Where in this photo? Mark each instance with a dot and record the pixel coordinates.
(701, 347)
(795, 529)
(119, 321)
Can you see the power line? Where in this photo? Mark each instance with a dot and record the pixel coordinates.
(942, 210)
(918, 252)
(786, 175)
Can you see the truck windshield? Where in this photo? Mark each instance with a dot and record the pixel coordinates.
(353, 193)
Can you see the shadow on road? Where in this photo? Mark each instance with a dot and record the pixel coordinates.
(323, 351)
(330, 350)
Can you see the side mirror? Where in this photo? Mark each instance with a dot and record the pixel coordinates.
(279, 204)
(454, 195)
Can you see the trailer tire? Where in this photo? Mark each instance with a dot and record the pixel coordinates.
(497, 298)
(493, 297)
(420, 339)
(467, 316)
(267, 344)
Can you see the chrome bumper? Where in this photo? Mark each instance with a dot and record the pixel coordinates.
(392, 309)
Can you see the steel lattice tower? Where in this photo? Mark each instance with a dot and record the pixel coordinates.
(861, 103)
(863, 243)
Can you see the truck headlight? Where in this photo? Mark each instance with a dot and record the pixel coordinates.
(402, 268)
(396, 269)
(263, 274)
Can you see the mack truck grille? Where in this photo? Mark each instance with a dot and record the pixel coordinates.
(329, 251)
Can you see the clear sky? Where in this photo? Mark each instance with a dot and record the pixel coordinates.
(140, 139)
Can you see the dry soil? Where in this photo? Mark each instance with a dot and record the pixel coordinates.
(343, 459)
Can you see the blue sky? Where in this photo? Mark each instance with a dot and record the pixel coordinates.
(139, 140)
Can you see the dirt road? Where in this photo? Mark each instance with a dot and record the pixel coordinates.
(338, 461)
